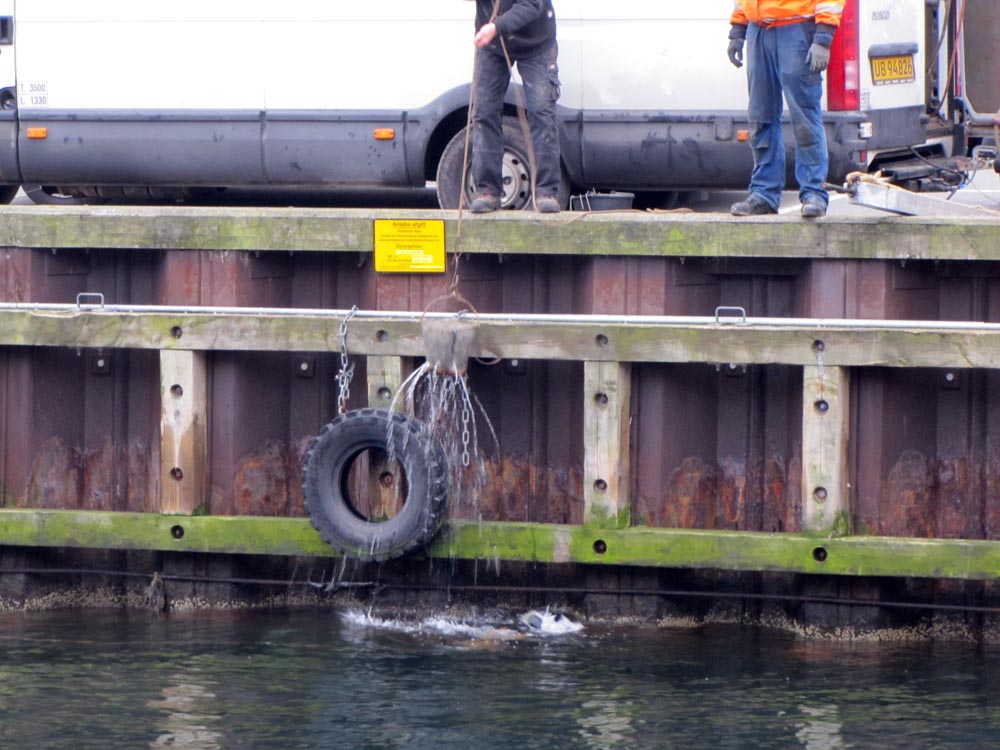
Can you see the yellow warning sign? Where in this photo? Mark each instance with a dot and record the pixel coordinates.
(409, 246)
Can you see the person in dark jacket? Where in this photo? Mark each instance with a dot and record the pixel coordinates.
(524, 31)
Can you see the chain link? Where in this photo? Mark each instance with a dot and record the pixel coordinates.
(346, 367)
(466, 436)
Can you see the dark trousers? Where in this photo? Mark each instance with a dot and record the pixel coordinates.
(540, 75)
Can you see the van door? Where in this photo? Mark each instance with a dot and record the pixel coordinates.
(140, 93)
(353, 87)
(9, 173)
(661, 102)
(891, 60)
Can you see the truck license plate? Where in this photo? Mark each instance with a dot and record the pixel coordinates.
(896, 69)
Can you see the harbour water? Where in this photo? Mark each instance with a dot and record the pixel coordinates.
(335, 679)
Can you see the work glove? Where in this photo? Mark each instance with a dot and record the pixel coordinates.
(818, 57)
(736, 52)
(737, 35)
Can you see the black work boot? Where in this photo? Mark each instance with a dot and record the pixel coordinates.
(754, 205)
(484, 203)
(813, 208)
(547, 204)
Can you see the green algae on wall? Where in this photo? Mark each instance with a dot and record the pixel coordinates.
(522, 542)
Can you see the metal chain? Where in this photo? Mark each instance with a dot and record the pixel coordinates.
(466, 437)
(346, 367)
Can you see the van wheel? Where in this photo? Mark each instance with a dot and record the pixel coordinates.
(7, 193)
(516, 172)
(50, 195)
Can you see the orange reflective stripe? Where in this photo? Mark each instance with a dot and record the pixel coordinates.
(783, 12)
(830, 11)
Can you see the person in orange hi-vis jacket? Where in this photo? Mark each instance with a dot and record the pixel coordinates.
(788, 48)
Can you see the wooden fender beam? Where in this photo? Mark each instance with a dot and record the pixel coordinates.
(183, 431)
(506, 232)
(825, 430)
(384, 490)
(607, 392)
(755, 342)
(385, 376)
(960, 559)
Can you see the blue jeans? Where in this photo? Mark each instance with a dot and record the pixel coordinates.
(540, 75)
(776, 64)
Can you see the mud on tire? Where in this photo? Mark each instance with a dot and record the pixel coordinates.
(335, 513)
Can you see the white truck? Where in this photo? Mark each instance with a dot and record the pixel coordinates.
(113, 98)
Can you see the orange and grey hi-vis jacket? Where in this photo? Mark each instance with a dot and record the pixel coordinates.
(782, 12)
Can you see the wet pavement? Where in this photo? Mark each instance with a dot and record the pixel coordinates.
(983, 191)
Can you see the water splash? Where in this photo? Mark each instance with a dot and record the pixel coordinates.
(531, 623)
(549, 623)
(442, 400)
(432, 626)
(364, 618)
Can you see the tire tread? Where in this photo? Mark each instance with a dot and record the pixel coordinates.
(416, 439)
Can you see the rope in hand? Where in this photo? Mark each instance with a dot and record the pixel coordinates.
(522, 117)
(453, 286)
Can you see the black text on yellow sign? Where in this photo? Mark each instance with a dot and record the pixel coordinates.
(409, 246)
(896, 69)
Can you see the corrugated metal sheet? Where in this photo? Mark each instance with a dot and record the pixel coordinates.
(714, 446)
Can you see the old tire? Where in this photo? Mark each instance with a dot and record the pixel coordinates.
(328, 500)
(516, 174)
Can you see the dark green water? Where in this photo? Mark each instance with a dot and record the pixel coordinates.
(312, 680)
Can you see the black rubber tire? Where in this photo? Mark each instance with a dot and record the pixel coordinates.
(324, 480)
(7, 193)
(517, 171)
(49, 195)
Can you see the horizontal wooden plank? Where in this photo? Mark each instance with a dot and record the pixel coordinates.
(582, 339)
(608, 233)
(539, 543)
(728, 550)
(164, 533)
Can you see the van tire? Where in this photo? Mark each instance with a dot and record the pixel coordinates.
(7, 193)
(50, 195)
(516, 170)
(327, 498)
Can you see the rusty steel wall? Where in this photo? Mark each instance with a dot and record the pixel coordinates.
(713, 446)
(79, 427)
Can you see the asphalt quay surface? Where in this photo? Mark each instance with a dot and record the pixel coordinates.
(984, 191)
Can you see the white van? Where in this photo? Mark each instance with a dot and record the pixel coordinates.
(112, 97)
